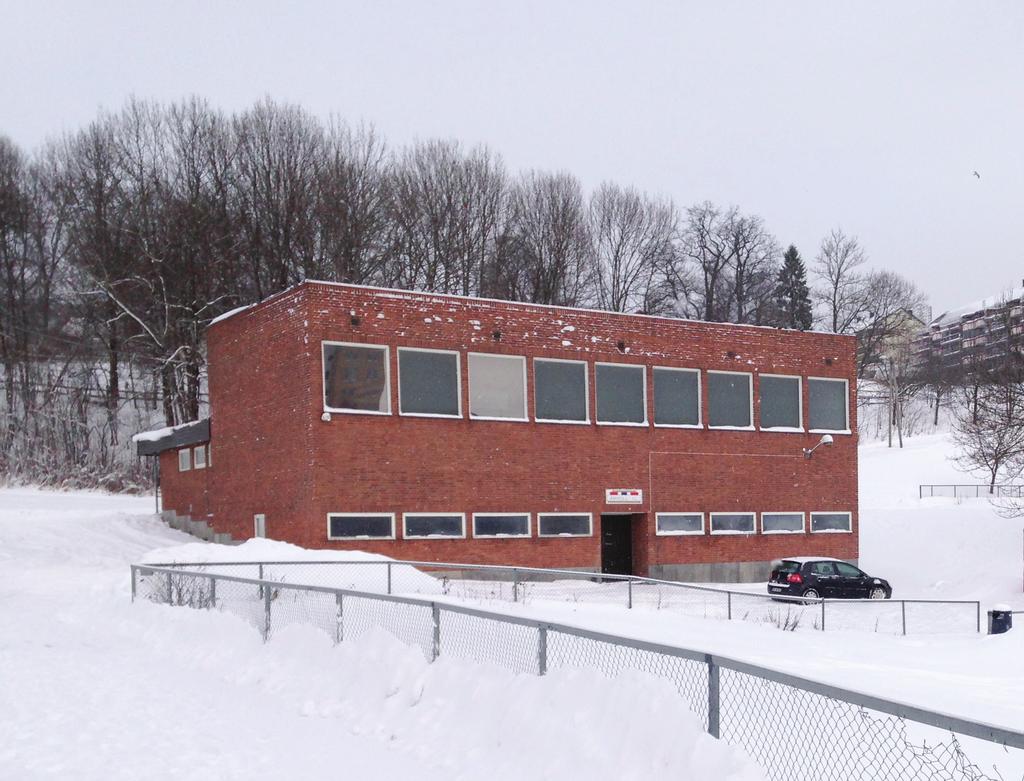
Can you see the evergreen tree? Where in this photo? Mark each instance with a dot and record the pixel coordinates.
(792, 296)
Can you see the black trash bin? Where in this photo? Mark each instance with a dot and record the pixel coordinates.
(1000, 619)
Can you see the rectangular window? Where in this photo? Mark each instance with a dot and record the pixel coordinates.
(356, 378)
(199, 457)
(564, 525)
(679, 523)
(501, 524)
(676, 397)
(422, 525)
(828, 405)
(621, 394)
(184, 460)
(361, 526)
(497, 386)
(429, 383)
(831, 522)
(780, 402)
(730, 400)
(561, 390)
(732, 523)
(782, 523)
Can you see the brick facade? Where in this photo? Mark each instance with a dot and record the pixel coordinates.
(273, 454)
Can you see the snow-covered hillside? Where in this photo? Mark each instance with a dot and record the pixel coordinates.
(92, 686)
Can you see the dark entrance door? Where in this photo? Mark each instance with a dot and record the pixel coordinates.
(617, 544)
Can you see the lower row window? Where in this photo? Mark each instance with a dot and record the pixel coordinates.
(369, 526)
(669, 524)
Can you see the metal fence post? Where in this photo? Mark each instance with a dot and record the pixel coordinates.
(629, 593)
(339, 623)
(903, 613)
(389, 577)
(266, 613)
(134, 573)
(260, 578)
(515, 585)
(170, 590)
(213, 591)
(728, 605)
(714, 699)
(977, 606)
(542, 650)
(436, 650)
(822, 614)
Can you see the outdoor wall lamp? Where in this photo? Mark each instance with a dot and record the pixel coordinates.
(826, 439)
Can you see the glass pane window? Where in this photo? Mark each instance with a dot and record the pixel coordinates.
(680, 523)
(620, 394)
(356, 378)
(561, 390)
(184, 460)
(497, 386)
(729, 400)
(676, 397)
(778, 523)
(780, 402)
(343, 526)
(199, 457)
(827, 402)
(563, 525)
(831, 522)
(428, 382)
(732, 523)
(434, 525)
(501, 525)
(848, 570)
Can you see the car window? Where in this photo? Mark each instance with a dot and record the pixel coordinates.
(788, 567)
(848, 570)
(822, 568)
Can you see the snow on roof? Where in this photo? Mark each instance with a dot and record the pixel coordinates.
(231, 313)
(991, 302)
(160, 433)
(805, 559)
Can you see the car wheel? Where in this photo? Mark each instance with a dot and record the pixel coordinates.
(811, 594)
(877, 593)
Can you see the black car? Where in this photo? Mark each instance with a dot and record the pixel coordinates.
(811, 577)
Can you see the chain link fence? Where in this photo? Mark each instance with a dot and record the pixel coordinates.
(794, 728)
(482, 584)
(970, 491)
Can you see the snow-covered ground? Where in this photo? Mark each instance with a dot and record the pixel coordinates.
(94, 687)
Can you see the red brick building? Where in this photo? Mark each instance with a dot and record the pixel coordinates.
(446, 428)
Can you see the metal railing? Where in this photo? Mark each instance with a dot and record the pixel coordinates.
(968, 491)
(486, 583)
(793, 727)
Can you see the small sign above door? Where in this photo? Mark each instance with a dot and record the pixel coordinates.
(623, 496)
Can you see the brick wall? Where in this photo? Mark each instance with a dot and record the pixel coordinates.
(273, 454)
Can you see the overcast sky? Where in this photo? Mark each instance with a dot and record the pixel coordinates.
(868, 116)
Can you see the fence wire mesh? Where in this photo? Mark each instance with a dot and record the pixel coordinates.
(791, 731)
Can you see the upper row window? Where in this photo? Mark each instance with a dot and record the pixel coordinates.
(356, 379)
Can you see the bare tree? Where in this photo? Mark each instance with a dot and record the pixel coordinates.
(634, 240)
(840, 284)
(701, 269)
(754, 262)
(989, 430)
(891, 310)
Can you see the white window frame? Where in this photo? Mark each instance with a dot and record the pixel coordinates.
(198, 463)
(800, 404)
(187, 451)
(846, 384)
(643, 424)
(711, 523)
(700, 401)
(586, 392)
(529, 527)
(659, 533)
(750, 385)
(803, 522)
(849, 518)
(407, 536)
(590, 519)
(209, 454)
(526, 395)
(361, 515)
(259, 525)
(458, 382)
(323, 377)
